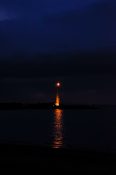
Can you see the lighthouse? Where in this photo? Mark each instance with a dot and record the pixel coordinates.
(57, 101)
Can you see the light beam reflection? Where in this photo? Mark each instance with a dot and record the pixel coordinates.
(58, 129)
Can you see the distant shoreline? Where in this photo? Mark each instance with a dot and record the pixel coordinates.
(21, 106)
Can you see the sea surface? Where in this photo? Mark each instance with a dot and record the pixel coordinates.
(87, 129)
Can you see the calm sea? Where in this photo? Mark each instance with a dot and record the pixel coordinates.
(93, 129)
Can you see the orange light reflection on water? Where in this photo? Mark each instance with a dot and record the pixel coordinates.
(58, 128)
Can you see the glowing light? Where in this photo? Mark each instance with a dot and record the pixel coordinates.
(57, 103)
(58, 122)
(57, 100)
(58, 84)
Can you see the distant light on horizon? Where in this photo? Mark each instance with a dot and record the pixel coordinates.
(58, 84)
(57, 101)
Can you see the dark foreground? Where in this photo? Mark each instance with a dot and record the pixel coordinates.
(21, 106)
(25, 158)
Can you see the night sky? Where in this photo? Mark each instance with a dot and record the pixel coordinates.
(44, 41)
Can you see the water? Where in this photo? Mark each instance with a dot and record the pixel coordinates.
(93, 129)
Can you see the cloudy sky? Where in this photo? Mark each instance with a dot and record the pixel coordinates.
(56, 26)
(42, 41)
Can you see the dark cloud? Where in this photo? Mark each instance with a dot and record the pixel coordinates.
(89, 29)
(51, 4)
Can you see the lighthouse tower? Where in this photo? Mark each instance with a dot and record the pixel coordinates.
(57, 101)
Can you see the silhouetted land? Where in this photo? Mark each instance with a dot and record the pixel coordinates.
(16, 106)
(53, 161)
